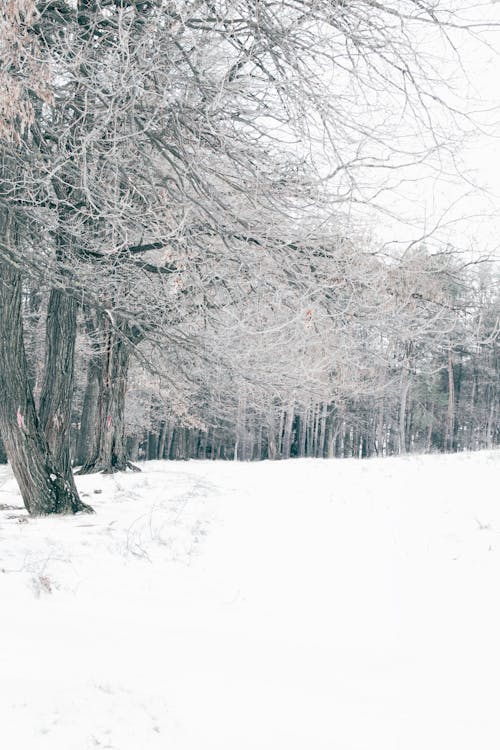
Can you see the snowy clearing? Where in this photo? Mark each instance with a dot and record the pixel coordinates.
(348, 605)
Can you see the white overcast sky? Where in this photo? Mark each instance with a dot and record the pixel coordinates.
(469, 210)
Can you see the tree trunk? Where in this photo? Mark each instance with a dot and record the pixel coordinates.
(315, 447)
(491, 421)
(322, 433)
(152, 445)
(471, 444)
(161, 441)
(428, 441)
(258, 443)
(43, 486)
(109, 452)
(133, 447)
(450, 415)
(57, 389)
(168, 442)
(302, 433)
(272, 452)
(33, 305)
(88, 422)
(457, 380)
(279, 436)
(379, 438)
(311, 413)
(342, 440)
(287, 434)
(3, 455)
(405, 387)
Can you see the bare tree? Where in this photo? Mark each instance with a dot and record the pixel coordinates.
(44, 485)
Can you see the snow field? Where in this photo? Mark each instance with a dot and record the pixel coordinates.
(340, 605)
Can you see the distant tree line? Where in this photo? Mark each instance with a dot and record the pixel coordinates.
(434, 387)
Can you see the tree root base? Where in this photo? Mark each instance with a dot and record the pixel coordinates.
(100, 469)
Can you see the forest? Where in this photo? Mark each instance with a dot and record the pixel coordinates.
(184, 272)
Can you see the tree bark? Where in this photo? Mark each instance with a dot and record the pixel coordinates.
(44, 488)
(133, 447)
(450, 415)
(87, 432)
(3, 455)
(152, 445)
(162, 439)
(302, 433)
(405, 387)
(109, 453)
(287, 432)
(342, 440)
(58, 382)
(428, 442)
(379, 435)
(315, 446)
(322, 433)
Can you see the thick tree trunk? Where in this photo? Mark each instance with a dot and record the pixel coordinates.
(87, 432)
(33, 305)
(43, 486)
(152, 445)
(109, 452)
(3, 455)
(58, 383)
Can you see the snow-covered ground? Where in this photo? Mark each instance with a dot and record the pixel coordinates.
(308, 605)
